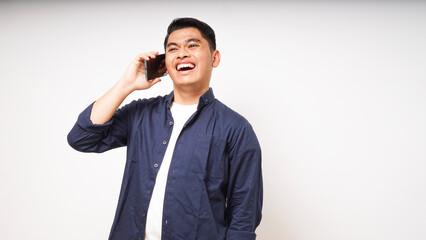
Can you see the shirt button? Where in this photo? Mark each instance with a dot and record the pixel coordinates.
(156, 165)
(143, 214)
(164, 142)
(148, 191)
(171, 123)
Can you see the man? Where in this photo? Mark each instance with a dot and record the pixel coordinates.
(193, 168)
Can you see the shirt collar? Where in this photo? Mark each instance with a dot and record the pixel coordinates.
(205, 99)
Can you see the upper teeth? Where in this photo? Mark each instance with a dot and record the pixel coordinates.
(185, 65)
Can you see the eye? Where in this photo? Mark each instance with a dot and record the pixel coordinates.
(172, 49)
(193, 45)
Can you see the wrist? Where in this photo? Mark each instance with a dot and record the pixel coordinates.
(124, 87)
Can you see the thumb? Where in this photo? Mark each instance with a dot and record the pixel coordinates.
(154, 81)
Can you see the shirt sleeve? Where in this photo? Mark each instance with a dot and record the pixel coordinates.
(88, 137)
(245, 186)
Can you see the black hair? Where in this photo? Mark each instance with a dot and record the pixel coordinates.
(205, 30)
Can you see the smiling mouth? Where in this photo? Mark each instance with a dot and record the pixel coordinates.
(185, 66)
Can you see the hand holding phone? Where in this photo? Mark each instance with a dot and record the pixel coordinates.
(155, 67)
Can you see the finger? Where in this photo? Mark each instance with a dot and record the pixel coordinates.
(146, 56)
(142, 57)
(155, 81)
(152, 54)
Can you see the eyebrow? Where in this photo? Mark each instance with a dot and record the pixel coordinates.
(186, 41)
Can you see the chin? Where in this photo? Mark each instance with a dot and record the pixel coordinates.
(185, 84)
(184, 80)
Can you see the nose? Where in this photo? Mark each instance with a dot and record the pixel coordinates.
(183, 53)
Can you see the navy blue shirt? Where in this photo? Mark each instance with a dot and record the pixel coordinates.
(214, 186)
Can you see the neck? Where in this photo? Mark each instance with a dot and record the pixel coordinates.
(188, 97)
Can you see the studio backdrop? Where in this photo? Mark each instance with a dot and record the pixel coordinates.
(335, 91)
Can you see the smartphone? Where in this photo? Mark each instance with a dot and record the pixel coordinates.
(155, 67)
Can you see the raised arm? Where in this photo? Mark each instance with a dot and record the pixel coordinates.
(101, 126)
(132, 79)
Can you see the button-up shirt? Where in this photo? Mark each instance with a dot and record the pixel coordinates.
(214, 186)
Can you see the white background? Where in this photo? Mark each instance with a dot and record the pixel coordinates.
(335, 91)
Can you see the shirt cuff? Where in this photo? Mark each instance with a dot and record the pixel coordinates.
(240, 235)
(85, 123)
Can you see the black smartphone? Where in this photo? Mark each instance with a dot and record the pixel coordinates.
(155, 67)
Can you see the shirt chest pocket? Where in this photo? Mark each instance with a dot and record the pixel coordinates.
(210, 157)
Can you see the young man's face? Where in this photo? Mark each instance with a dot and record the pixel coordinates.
(189, 60)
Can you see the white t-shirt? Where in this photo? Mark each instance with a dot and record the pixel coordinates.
(154, 221)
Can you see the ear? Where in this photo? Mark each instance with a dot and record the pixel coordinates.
(216, 58)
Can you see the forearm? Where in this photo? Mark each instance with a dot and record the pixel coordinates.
(133, 79)
(105, 107)
(88, 137)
